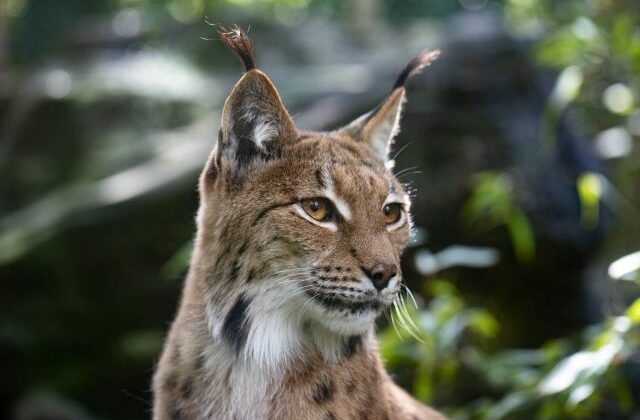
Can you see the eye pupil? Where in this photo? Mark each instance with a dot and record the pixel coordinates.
(319, 209)
(392, 213)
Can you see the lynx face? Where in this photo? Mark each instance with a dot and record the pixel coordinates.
(304, 226)
(343, 221)
(323, 226)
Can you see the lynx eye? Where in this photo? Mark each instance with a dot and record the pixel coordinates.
(318, 209)
(392, 213)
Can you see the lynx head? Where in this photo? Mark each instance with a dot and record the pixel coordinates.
(307, 226)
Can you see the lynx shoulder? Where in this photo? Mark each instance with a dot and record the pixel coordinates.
(299, 236)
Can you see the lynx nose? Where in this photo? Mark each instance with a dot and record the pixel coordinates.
(380, 274)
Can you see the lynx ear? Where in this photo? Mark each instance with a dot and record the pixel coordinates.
(255, 123)
(379, 126)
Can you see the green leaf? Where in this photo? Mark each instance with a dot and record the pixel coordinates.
(589, 186)
(522, 236)
(484, 324)
(633, 312)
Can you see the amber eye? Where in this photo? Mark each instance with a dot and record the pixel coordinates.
(318, 208)
(392, 213)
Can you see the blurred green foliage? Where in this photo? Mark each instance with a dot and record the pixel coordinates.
(564, 378)
(491, 204)
(445, 344)
(595, 46)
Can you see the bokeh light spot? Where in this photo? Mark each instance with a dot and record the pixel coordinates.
(58, 84)
(613, 143)
(584, 29)
(127, 23)
(618, 98)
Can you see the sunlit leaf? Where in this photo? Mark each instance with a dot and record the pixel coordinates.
(522, 236)
(626, 268)
(580, 394)
(589, 188)
(633, 312)
(484, 324)
(580, 365)
(509, 405)
(567, 87)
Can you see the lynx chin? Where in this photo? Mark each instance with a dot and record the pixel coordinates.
(299, 236)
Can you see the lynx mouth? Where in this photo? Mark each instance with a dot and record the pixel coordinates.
(332, 301)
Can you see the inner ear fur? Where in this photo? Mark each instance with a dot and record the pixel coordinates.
(255, 122)
(379, 127)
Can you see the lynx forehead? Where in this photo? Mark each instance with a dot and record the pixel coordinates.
(297, 253)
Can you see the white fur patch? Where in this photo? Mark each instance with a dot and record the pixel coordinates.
(327, 225)
(341, 205)
(395, 197)
(264, 131)
(274, 336)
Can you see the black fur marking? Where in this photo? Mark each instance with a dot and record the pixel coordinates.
(369, 164)
(319, 179)
(176, 413)
(236, 325)
(353, 253)
(235, 270)
(335, 301)
(266, 210)
(239, 42)
(352, 345)
(363, 413)
(351, 386)
(170, 382)
(242, 133)
(323, 392)
(414, 66)
(252, 275)
(186, 388)
(242, 248)
(330, 416)
(200, 363)
(222, 256)
(236, 264)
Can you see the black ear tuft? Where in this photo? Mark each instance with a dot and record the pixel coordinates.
(239, 42)
(421, 61)
(378, 127)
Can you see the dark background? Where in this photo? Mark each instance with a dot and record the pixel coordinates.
(520, 142)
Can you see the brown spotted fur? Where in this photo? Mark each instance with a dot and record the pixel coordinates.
(236, 349)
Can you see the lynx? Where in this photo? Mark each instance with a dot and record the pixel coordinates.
(299, 236)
